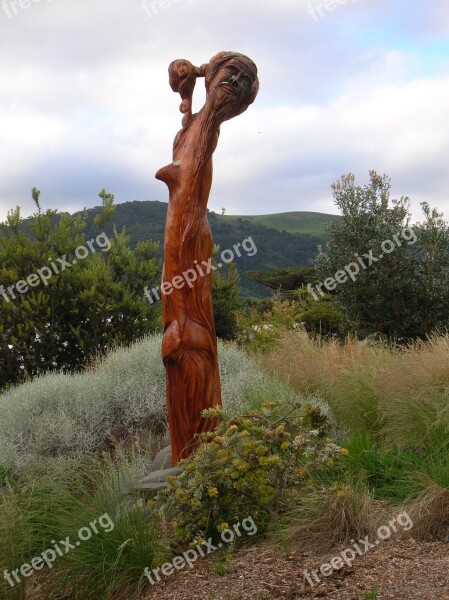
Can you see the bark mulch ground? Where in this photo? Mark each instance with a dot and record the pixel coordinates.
(401, 570)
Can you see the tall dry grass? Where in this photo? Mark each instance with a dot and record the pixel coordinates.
(429, 512)
(319, 519)
(400, 394)
(413, 391)
(393, 405)
(344, 374)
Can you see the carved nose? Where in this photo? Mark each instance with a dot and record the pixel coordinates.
(234, 80)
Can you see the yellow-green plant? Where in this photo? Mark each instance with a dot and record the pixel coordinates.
(244, 468)
(261, 327)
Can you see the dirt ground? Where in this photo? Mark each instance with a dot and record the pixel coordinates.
(401, 570)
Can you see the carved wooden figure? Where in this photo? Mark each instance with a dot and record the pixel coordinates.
(189, 346)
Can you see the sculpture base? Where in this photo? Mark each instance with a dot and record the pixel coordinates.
(162, 459)
(161, 468)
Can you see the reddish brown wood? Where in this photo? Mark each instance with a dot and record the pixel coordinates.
(189, 346)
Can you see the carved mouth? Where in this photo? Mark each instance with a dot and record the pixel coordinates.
(229, 89)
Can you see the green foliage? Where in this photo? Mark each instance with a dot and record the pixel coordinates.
(322, 317)
(262, 325)
(226, 301)
(392, 474)
(114, 560)
(221, 565)
(55, 501)
(85, 308)
(386, 472)
(245, 466)
(284, 279)
(404, 294)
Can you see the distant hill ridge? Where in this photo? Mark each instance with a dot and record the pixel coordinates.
(283, 240)
(293, 222)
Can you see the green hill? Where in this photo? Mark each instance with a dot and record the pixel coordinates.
(283, 240)
(292, 222)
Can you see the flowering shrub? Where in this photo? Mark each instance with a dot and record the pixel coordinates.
(260, 330)
(245, 466)
(261, 325)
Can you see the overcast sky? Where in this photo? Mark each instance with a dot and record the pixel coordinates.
(85, 102)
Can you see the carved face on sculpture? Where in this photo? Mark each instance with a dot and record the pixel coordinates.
(231, 84)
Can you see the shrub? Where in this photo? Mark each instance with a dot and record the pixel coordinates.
(60, 414)
(81, 310)
(405, 295)
(261, 327)
(244, 467)
(429, 512)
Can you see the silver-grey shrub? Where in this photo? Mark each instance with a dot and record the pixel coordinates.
(59, 413)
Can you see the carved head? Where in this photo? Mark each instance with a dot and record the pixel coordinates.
(231, 83)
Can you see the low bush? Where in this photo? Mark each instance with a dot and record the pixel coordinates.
(430, 512)
(260, 327)
(243, 468)
(60, 414)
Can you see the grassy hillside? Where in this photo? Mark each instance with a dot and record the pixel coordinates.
(283, 240)
(312, 223)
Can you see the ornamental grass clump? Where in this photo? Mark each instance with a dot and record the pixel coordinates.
(245, 467)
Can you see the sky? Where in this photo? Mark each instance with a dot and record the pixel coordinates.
(345, 86)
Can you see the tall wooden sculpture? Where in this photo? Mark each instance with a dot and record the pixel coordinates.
(189, 346)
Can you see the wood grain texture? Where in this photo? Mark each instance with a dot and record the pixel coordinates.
(189, 346)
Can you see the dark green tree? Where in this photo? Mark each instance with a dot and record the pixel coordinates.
(284, 280)
(399, 287)
(320, 317)
(226, 300)
(65, 297)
